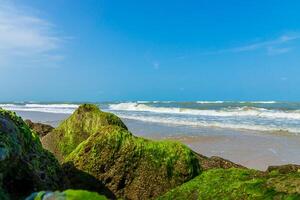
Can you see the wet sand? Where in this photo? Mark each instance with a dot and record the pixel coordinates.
(256, 150)
(52, 119)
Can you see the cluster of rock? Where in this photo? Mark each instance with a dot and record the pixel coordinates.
(94, 151)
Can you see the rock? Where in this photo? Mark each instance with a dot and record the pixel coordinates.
(85, 121)
(133, 167)
(81, 180)
(39, 128)
(98, 148)
(215, 162)
(238, 184)
(24, 165)
(66, 195)
(284, 169)
(3, 195)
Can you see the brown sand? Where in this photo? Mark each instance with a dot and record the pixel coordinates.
(252, 151)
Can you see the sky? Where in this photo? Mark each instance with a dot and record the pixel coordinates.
(108, 50)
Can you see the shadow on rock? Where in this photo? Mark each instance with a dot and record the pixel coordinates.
(84, 181)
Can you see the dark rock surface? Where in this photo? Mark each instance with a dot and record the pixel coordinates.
(25, 166)
(39, 128)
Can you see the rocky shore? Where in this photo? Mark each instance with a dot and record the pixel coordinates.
(92, 155)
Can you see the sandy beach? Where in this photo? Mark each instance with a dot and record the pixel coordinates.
(256, 150)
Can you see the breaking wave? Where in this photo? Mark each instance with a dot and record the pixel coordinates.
(225, 112)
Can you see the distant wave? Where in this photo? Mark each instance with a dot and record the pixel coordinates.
(49, 108)
(253, 127)
(152, 102)
(209, 102)
(259, 102)
(234, 112)
(242, 102)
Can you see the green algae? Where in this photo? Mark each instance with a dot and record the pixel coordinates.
(238, 184)
(27, 137)
(67, 195)
(81, 194)
(134, 167)
(24, 165)
(85, 121)
(3, 195)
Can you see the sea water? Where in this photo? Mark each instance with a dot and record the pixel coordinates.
(267, 116)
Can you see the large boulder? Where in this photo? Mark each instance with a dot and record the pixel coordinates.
(100, 154)
(40, 129)
(66, 195)
(133, 167)
(238, 184)
(85, 121)
(24, 165)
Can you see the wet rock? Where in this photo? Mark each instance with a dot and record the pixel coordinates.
(99, 145)
(215, 162)
(133, 167)
(85, 121)
(40, 129)
(284, 169)
(237, 183)
(24, 165)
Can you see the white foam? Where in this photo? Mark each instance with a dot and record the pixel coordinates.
(220, 102)
(48, 108)
(52, 105)
(143, 101)
(235, 112)
(263, 102)
(209, 102)
(228, 125)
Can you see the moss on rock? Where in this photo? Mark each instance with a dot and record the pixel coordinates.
(66, 195)
(3, 195)
(84, 181)
(215, 162)
(238, 184)
(40, 129)
(85, 121)
(24, 165)
(284, 169)
(133, 167)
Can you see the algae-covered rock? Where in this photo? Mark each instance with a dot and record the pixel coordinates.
(40, 129)
(238, 184)
(215, 162)
(133, 167)
(284, 169)
(3, 195)
(24, 165)
(81, 180)
(85, 121)
(66, 195)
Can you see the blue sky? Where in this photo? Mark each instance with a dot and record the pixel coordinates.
(96, 50)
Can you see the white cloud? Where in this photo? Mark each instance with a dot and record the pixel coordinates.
(276, 51)
(272, 47)
(26, 38)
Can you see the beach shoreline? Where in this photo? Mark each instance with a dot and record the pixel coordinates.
(256, 150)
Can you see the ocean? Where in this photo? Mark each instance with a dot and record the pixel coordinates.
(266, 116)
